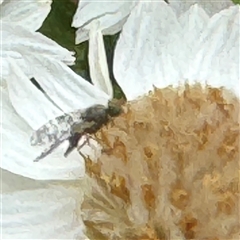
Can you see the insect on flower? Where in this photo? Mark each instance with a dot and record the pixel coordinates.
(72, 127)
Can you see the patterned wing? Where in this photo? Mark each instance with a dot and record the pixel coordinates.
(71, 126)
(49, 150)
(55, 129)
(54, 132)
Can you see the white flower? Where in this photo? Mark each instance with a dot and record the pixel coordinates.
(156, 48)
(170, 170)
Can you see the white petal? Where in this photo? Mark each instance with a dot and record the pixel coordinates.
(110, 16)
(211, 6)
(193, 22)
(98, 61)
(64, 88)
(217, 59)
(82, 34)
(25, 97)
(17, 39)
(40, 210)
(18, 59)
(29, 15)
(18, 154)
(5, 71)
(163, 50)
(150, 36)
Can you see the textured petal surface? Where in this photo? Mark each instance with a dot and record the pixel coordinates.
(18, 154)
(28, 55)
(211, 7)
(18, 39)
(66, 91)
(82, 34)
(40, 210)
(164, 50)
(30, 15)
(98, 62)
(216, 60)
(39, 57)
(25, 97)
(148, 48)
(110, 15)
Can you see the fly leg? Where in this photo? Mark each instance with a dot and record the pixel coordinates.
(88, 137)
(73, 143)
(94, 137)
(82, 145)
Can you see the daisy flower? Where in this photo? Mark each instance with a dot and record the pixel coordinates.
(169, 163)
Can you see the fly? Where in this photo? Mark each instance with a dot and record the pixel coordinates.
(73, 127)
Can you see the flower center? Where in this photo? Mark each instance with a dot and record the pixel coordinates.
(169, 168)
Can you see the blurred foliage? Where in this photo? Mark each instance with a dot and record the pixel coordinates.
(57, 26)
(236, 1)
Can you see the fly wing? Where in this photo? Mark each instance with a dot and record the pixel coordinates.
(49, 150)
(54, 132)
(70, 126)
(60, 127)
(56, 129)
